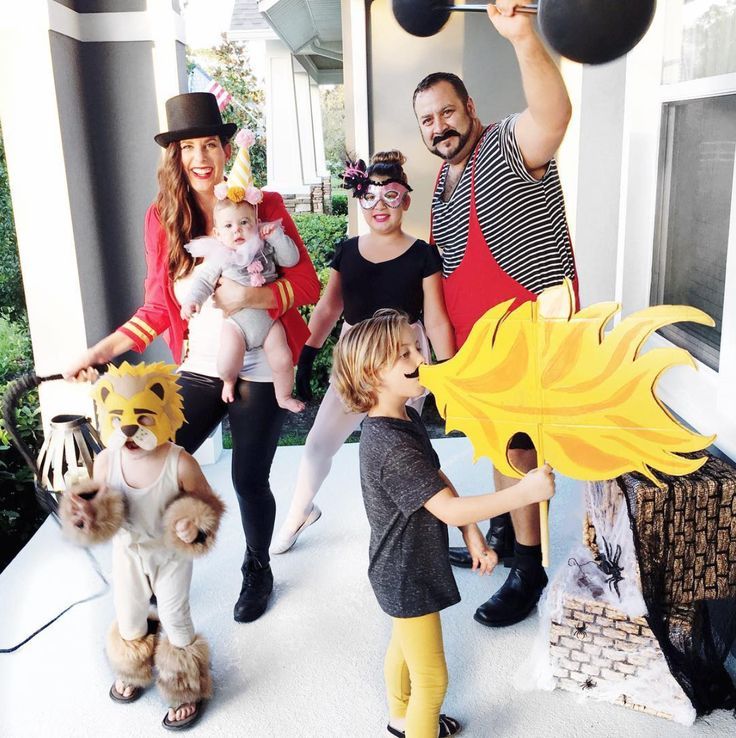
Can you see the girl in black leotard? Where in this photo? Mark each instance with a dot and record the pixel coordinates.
(385, 268)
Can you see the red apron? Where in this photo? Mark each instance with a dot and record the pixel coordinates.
(478, 283)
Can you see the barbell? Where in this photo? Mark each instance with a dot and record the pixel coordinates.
(587, 31)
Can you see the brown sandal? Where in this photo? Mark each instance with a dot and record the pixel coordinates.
(186, 722)
(448, 726)
(132, 697)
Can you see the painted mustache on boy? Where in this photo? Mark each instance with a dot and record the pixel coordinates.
(413, 375)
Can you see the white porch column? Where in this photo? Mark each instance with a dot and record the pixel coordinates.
(305, 120)
(318, 133)
(590, 169)
(79, 101)
(355, 79)
(284, 156)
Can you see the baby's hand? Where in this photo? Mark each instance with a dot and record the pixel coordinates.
(484, 558)
(188, 310)
(186, 530)
(266, 229)
(539, 484)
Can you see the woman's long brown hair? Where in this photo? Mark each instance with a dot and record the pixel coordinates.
(179, 212)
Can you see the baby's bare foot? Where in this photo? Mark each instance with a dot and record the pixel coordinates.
(123, 689)
(290, 403)
(182, 712)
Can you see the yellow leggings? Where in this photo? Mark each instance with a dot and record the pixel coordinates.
(416, 674)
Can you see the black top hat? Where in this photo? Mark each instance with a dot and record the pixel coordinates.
(193, 115)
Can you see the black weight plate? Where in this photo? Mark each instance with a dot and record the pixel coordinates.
(594, 31)
(420, 17)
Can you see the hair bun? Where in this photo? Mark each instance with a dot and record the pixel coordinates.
(388, 157)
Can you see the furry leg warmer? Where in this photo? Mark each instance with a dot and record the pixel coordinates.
(184, 673)
(131, 660)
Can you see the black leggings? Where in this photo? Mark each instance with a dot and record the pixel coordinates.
(255, 424)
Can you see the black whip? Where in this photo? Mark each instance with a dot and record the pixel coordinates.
(13, 392)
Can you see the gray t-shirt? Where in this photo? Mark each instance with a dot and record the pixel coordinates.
(409, 567)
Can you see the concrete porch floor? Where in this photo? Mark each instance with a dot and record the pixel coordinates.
(312, 665)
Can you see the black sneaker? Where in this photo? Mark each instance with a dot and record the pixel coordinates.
(254, 594)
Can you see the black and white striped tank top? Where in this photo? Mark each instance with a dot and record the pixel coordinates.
(522, 219)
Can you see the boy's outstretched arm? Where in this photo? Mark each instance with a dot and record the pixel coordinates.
(484, 558)
(537, 485)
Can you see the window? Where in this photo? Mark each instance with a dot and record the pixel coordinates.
(700, 39)
(695, 193)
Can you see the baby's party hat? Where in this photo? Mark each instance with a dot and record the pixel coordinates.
(239, 185)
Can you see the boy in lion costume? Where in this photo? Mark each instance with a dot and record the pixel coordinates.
(151, 498)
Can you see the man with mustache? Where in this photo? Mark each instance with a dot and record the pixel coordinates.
(498, 218)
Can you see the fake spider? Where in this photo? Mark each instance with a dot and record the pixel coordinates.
(580, 631)
(589, 683)
(608, 563)
(583, 581)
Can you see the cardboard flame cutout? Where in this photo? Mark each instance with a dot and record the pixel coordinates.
(586, 399)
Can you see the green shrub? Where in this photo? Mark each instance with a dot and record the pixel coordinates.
(12, 300)
(19, 515)
(339, 203)
(321, 234)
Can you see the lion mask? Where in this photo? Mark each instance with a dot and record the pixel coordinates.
(139, 405)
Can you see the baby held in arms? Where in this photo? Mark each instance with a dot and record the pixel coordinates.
(248, 252)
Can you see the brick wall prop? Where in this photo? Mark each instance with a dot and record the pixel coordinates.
(599, 643)
(685, 532)
(597, 610)
(598, 651)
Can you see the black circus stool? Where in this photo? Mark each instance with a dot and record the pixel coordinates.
(586, 31)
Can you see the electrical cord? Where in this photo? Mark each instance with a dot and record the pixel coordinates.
(14, 390)
(98, 571)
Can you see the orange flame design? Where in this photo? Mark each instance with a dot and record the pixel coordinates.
(586, 400)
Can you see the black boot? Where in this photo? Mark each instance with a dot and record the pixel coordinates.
(254, 594)
(500, 538)
(519, 594)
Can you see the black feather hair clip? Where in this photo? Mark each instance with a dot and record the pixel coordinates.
(355, 177)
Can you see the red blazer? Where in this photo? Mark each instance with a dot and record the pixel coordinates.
(160, 313)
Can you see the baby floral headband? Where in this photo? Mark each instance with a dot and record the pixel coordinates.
(239, 186)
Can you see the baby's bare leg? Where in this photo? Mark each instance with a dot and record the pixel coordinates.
(230, 358)
(279, 359)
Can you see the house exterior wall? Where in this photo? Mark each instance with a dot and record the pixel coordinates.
(467, 46)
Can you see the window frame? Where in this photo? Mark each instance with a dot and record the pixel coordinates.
(706, 400)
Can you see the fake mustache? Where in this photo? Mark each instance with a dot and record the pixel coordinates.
(413, 375)
(442, 136)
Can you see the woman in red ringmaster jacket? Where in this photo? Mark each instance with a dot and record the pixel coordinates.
(196, 150)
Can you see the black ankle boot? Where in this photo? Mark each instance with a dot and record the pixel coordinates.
(516, 598)
(254, 594)
(500, 538)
